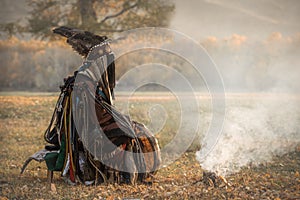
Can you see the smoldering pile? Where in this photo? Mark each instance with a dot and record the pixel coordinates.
(255, 130)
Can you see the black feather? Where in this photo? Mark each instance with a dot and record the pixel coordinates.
(81, 41)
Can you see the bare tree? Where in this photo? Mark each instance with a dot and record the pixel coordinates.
(98, 16)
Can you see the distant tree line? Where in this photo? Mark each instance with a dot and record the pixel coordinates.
(37, 65)
(42, 62)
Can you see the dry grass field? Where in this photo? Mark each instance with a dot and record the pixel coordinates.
(24, 118)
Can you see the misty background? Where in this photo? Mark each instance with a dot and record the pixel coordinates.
(255, 45)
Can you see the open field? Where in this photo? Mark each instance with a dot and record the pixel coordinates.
(24, 118)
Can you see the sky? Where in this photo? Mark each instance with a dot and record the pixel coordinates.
(202, 18)
(254, 43)
(221, 18)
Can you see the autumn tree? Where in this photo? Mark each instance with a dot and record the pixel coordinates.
(98, 16)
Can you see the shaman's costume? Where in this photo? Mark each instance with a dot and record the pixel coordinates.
(91, 142)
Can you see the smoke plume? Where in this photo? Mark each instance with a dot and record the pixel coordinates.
(263, 121)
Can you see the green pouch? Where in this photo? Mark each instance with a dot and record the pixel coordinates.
(55, 160)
